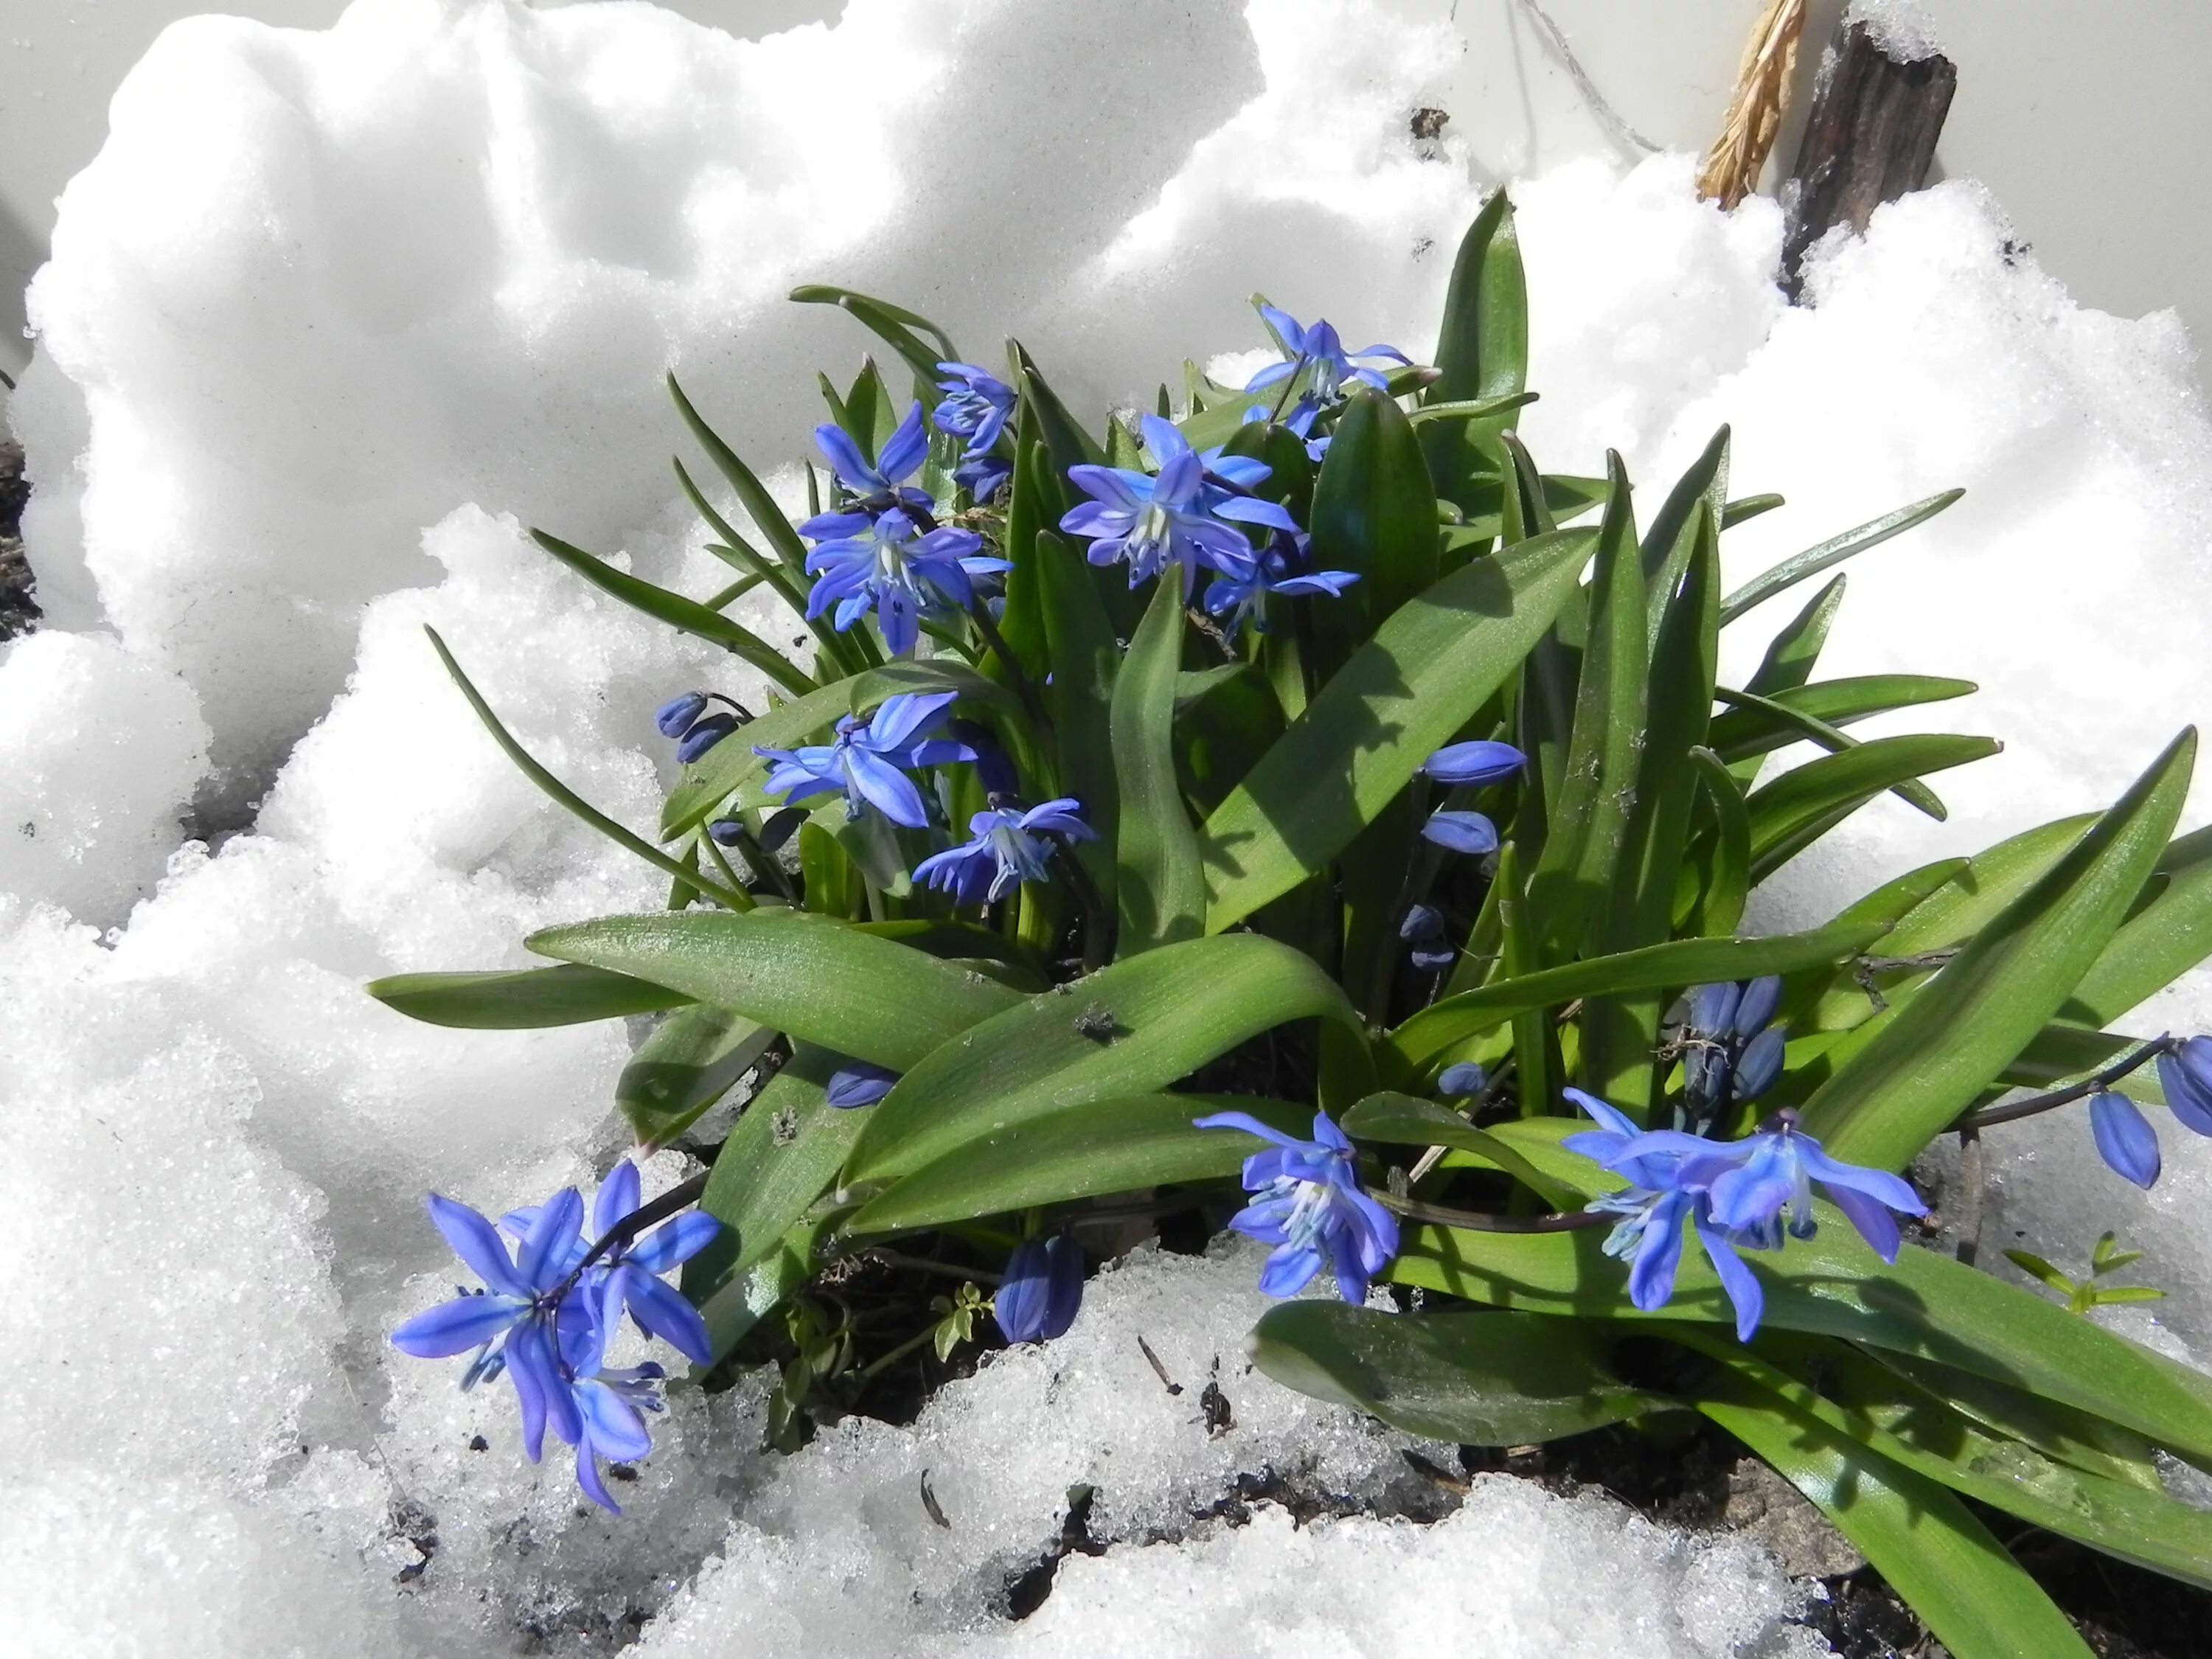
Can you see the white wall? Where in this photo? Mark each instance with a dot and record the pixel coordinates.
(2089, 120)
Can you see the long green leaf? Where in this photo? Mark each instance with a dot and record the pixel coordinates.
(1746, 731)
(1672, 538)
(1927, 1065)
(1160, 884)
(1402, 695)
(1924, 1541)
(1834, 551)
(690, 1062)
(1792, 655)
(522, 998)
(679, 612)
(1482, 347)
(1590, 819)
(1113, 1145)
(1722, 884)
(822, 982)
(1133, 1029)
(1410, 1120)
(1375, 515)
(1795, 722)
(1667, 967)
(1806, 802)
(574, 803)
(1480, 1379)
(895, 327)
(1086, 656)
(2156, 945)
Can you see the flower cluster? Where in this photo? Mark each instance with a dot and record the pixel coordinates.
(695, 724)
(1308, 1204)
(550, 1306)
(1316, 362)
(1734, 1194)
(976, 406)
(2123, 1136)
(1731, 1049)
(1469, 766)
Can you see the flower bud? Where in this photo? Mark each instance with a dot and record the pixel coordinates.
(1758, 1065)
(1422, 924)
(2124, 1138)
(2185, 1075)
(857, 1085)
(1461, 1080)
(1756, 1009)
(1712, 1008)
(727, 832)
(1463, 832)
(1469, 764)
(1038, 1298)
(704, 736)
(675, 716)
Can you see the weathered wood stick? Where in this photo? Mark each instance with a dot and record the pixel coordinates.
(1870, 139)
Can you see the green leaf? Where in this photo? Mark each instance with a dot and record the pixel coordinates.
(895, 327)
(1752, 729)
(1723, 879)
(1925, 1542)
(690, 1062)
(1402, 695)
(1792, 654)
(1113, 1145)
(822, 982)
(1374, 515)
(778, 1162)
(1477, 409)
(1063, 434)
(1479, 1379)
(1404, 1119)
(1160, 884)
(1834, 551)
(1589, 819)
(2158, 944)
(571, 801)
(1081, 645)
(1482, 346)
(1132, 1029)
(1667, 967)
(1672, 538)
(1803, 805)
(522, 998)
(1958, 1031)
(1795, 722)
(678, 613)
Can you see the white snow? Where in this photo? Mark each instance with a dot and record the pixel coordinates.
(1904, 29)
(336, 314)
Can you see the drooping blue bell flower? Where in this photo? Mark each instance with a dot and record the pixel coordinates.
(674, 717)
(870, 758)
(862, 563)
(704, 735)
(983, 476)
(1149, 521)
(1423, 930)
(1461, 1080)
(1317, 351)
(1005, 848)
(2124, 1138)
(1468, 765)
(1239, 594)
(1759, 1064)
(1042, 1290)
(976, 406)
(1307, 1203)
(879, 484)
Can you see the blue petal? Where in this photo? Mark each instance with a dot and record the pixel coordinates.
(2124, 1138)
(1658, 1253)
(1289, 1270)
(1251, 1126)
(859, 1084)
(2186, 1077)
(1162, 438)
(1611, 1116)
(1463, 832)
(1477, 763)
(1737, 1279)
(477, 1243)
(617, 1197)
(455, 1327)
(907, 716)
(1761, 997)
(661, 1311)
(887, 789)
(612, 1424)
(674, 1243)
(847, 460)
(588, 1482)
(903, 450)
(552, 1236)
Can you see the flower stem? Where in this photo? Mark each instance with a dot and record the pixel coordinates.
(1025, 688)
(2013, 1110)
(681, 1197)
(1480, 1221)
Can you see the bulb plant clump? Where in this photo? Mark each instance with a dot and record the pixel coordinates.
(1295, 809)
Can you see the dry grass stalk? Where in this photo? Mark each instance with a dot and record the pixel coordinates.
(1754, 113)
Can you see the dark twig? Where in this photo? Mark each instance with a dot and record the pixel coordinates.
(1971, 1174)
(1482, 1222)
(681, 1197)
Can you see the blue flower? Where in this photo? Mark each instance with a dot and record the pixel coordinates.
(1423, 929)
(1006, 849)
(862, 562)
(1735, 1195)
(1308, 1204)
(879, 484)
(1239, 592)
(1463, 832)
(1319, 353)
(1759, 1064)
(1299, 423)
(976, 406)
(1729, 1048)
(857, 1084)
(1042, 1290)
(607, 1402)
(704, 735)
(1467, 765)
(869, 759)
(2124, 1138)
(1176, 517)
(631, 1271)
(686, 719)
(509, 1322)
(983, 476)
(2185, 1074)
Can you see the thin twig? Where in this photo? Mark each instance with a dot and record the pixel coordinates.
(1599, 103)
(682, 1196)
(1025, 688)
(1482, 1222)
(2013, 1110)
(1971, 1174)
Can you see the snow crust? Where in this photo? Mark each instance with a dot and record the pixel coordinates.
(1904, 29)
(335, 314)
